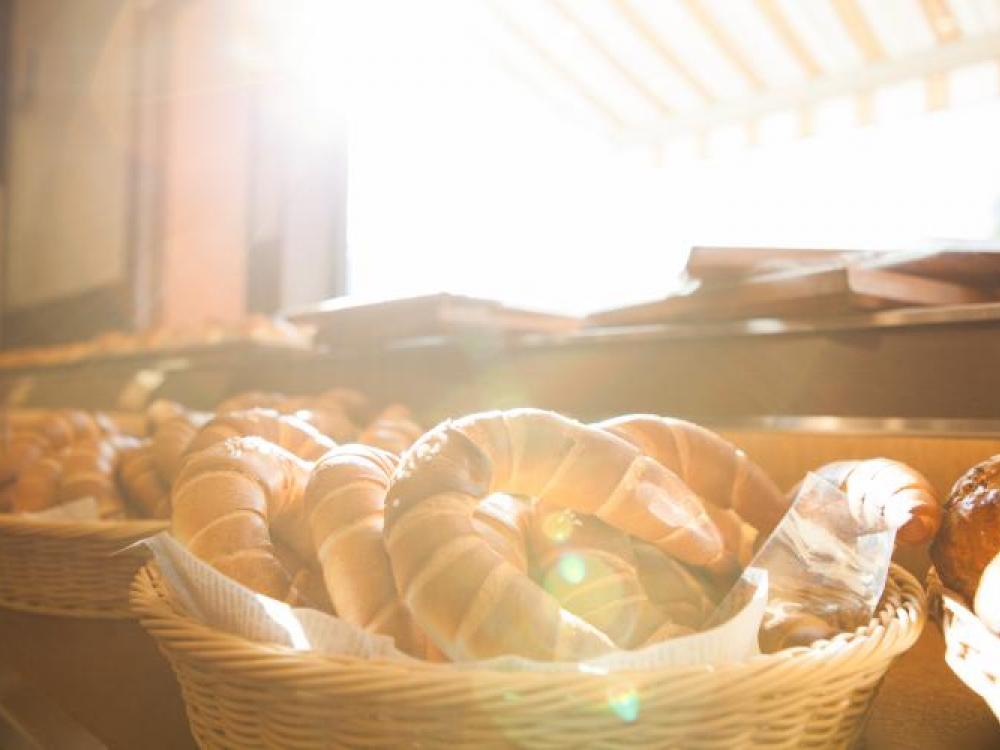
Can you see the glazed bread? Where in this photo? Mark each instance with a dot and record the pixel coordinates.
(344, 502)
(288, 432)
(969, 540)
(50, 433)
(144, 489)
(713, 468)
(469, 600)
(232, 500)
(84, 468)
(590, 568)
(880, 490)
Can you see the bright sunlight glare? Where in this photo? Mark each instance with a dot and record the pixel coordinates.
(463, 177)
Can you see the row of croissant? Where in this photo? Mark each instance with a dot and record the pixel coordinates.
(520, 532)
(257, 328)
(50, 458)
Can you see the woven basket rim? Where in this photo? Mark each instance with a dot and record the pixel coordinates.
(967, 639)
(112, 529)
(151, 603)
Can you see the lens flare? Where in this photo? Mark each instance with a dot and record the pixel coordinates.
(572, 568)
(558, 525)
(624, 702)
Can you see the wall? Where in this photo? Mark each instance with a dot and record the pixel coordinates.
(156, 173)
(68, 148)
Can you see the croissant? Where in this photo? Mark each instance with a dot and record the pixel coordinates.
(292, 434)
(590, 568)
(171, 440)
(36, 486)
(683, 597)
(466, 597)
(85, 468)
(143, 487)
(89, 470)
(392, 430)
(160, 411)
(252, 400)
(230, 499)
(51, 433)
(344, 503)
(503, 521)
(333, 423)
(882, 490)
(347, 400)
(713, 468)
(335, 412)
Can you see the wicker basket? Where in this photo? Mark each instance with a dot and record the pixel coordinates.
(971, 650)
(243, 694)
(71, 568)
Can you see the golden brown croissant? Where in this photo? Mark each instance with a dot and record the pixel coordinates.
(252, 400)
(230, 499)
(347, 400)
(880, 489)
(466, 597)
(84, 469)
(171, 440)
(333, 413)
(142, 485)
(333, 423)
(713, 468)
(590, 568)
(51, 433)
(503, 521)
(161, 410)
(683, 597)
(344, 504)
(391, 431)
(289, 432)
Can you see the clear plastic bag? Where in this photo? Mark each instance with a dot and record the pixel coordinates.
(826, 569)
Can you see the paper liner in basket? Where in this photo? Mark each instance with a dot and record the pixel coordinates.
(83, 509)
(971, 649)
(220, 602)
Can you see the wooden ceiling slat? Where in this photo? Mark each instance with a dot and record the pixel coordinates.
(859, 29)
(724, 43)
(600, 47)
(970, 50)
(642, 28)
(575, 83)
(779, 22)
(942, 20)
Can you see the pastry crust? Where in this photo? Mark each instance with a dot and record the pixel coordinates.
(969, 537)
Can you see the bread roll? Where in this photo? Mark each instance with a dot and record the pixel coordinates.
(713, 468)
(171, 440)
(142, 485)
(50, 433)
(880, 490)
(85, 468)
(590, 568)
(345, 501)
(969, 538)
(391, 431)
(288, 432)
(227, 502)
(470, 601)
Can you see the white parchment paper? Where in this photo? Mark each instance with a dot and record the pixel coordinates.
(220, 602)
(84, 509)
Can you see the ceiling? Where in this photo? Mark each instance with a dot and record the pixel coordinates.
(650, 70)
